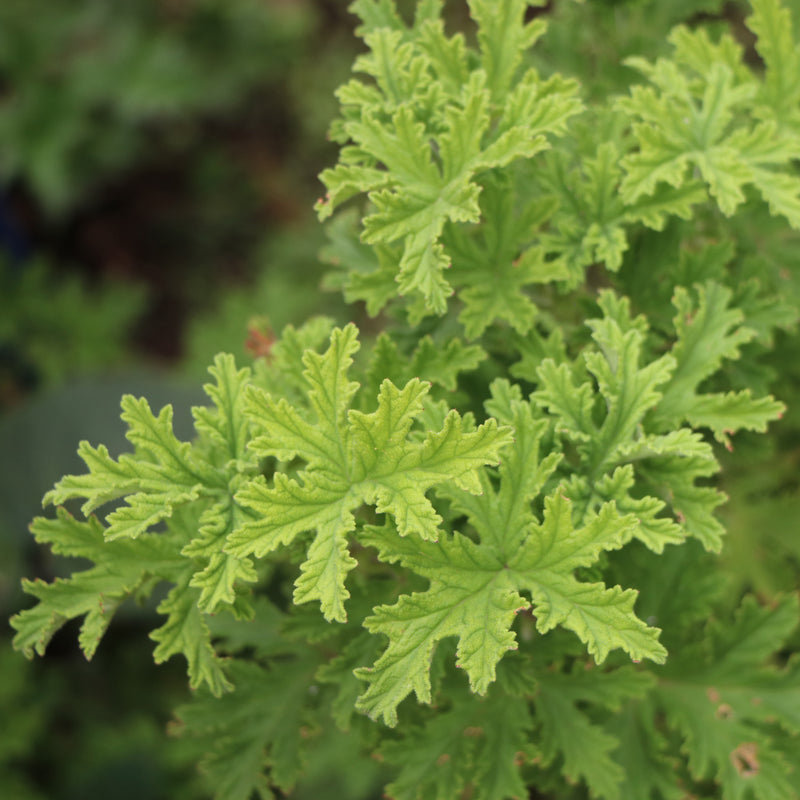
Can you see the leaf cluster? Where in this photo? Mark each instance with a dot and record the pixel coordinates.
(520, 530)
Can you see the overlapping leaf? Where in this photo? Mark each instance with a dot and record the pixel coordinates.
(772, 23)
(610, 434)
(473, 747)
(350, 458)
(568, 731)
(590, 225)
(699, 114)
(419, 143)
(121, 568)
(491, 266)
(723, 695)
(709, 332)
(187, 486)
(475, 588)
(251, 739)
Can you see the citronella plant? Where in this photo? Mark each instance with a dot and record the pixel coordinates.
(479, 546)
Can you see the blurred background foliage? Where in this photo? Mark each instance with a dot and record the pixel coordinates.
(158, 163)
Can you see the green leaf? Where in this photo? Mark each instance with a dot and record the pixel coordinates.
(225, 424)
(252, 738)
(420, 146)
(351, 458)
(121, 569)
(719, 696)
(566, 729)
(186, 633)
(218, 577)
(699, 113)
(709, 332)
(645, 769)
(162, 475)
(490, 265)
(437, 362)
(472, 747)
(474, 590)
(503, 40)
(629, 392)
(772, 24)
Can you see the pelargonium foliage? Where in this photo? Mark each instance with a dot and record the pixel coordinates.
(480, 546)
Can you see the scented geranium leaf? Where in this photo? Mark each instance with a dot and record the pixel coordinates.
(121, 569)
(424, 137)
(228, 427)
(708, 332)
(503, 738)
(768, 153)
(720, 695)
(503, 40)
(699, 112)
(376, 14)
(186, 488)
(491, 268)
(470, 597)
(602, 618)
(361, 272)
(653, 525)
(161, 475)
(665, 467)
(673, 478)
(436, 361)
(338, 672)
(221, 572)
(447, 56)
(572, 405)
(654, 210)
(589, 226)
(725, 413)
(186, 633)
(351, 458)
(641, 754)
(283, 373)
(472, 747)
(680, 128)
(433, 760)
(772, 24)
(475, 588)
(225, 423)
(251, 739)
(628, 389)
(567, 730)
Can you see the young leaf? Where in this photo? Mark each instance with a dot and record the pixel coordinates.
(418, 152)
(351, 458)
(474, 590)
(709, 332)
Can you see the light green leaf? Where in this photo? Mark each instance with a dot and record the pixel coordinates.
(422, 140)
(186, 633)
(160, 476)
(475, 588)
(121, 569)
(772, 24)
(351, 458)
(503, 40)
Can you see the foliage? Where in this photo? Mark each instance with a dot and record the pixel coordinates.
(505, 503)
(55, 326)
(86, 89)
